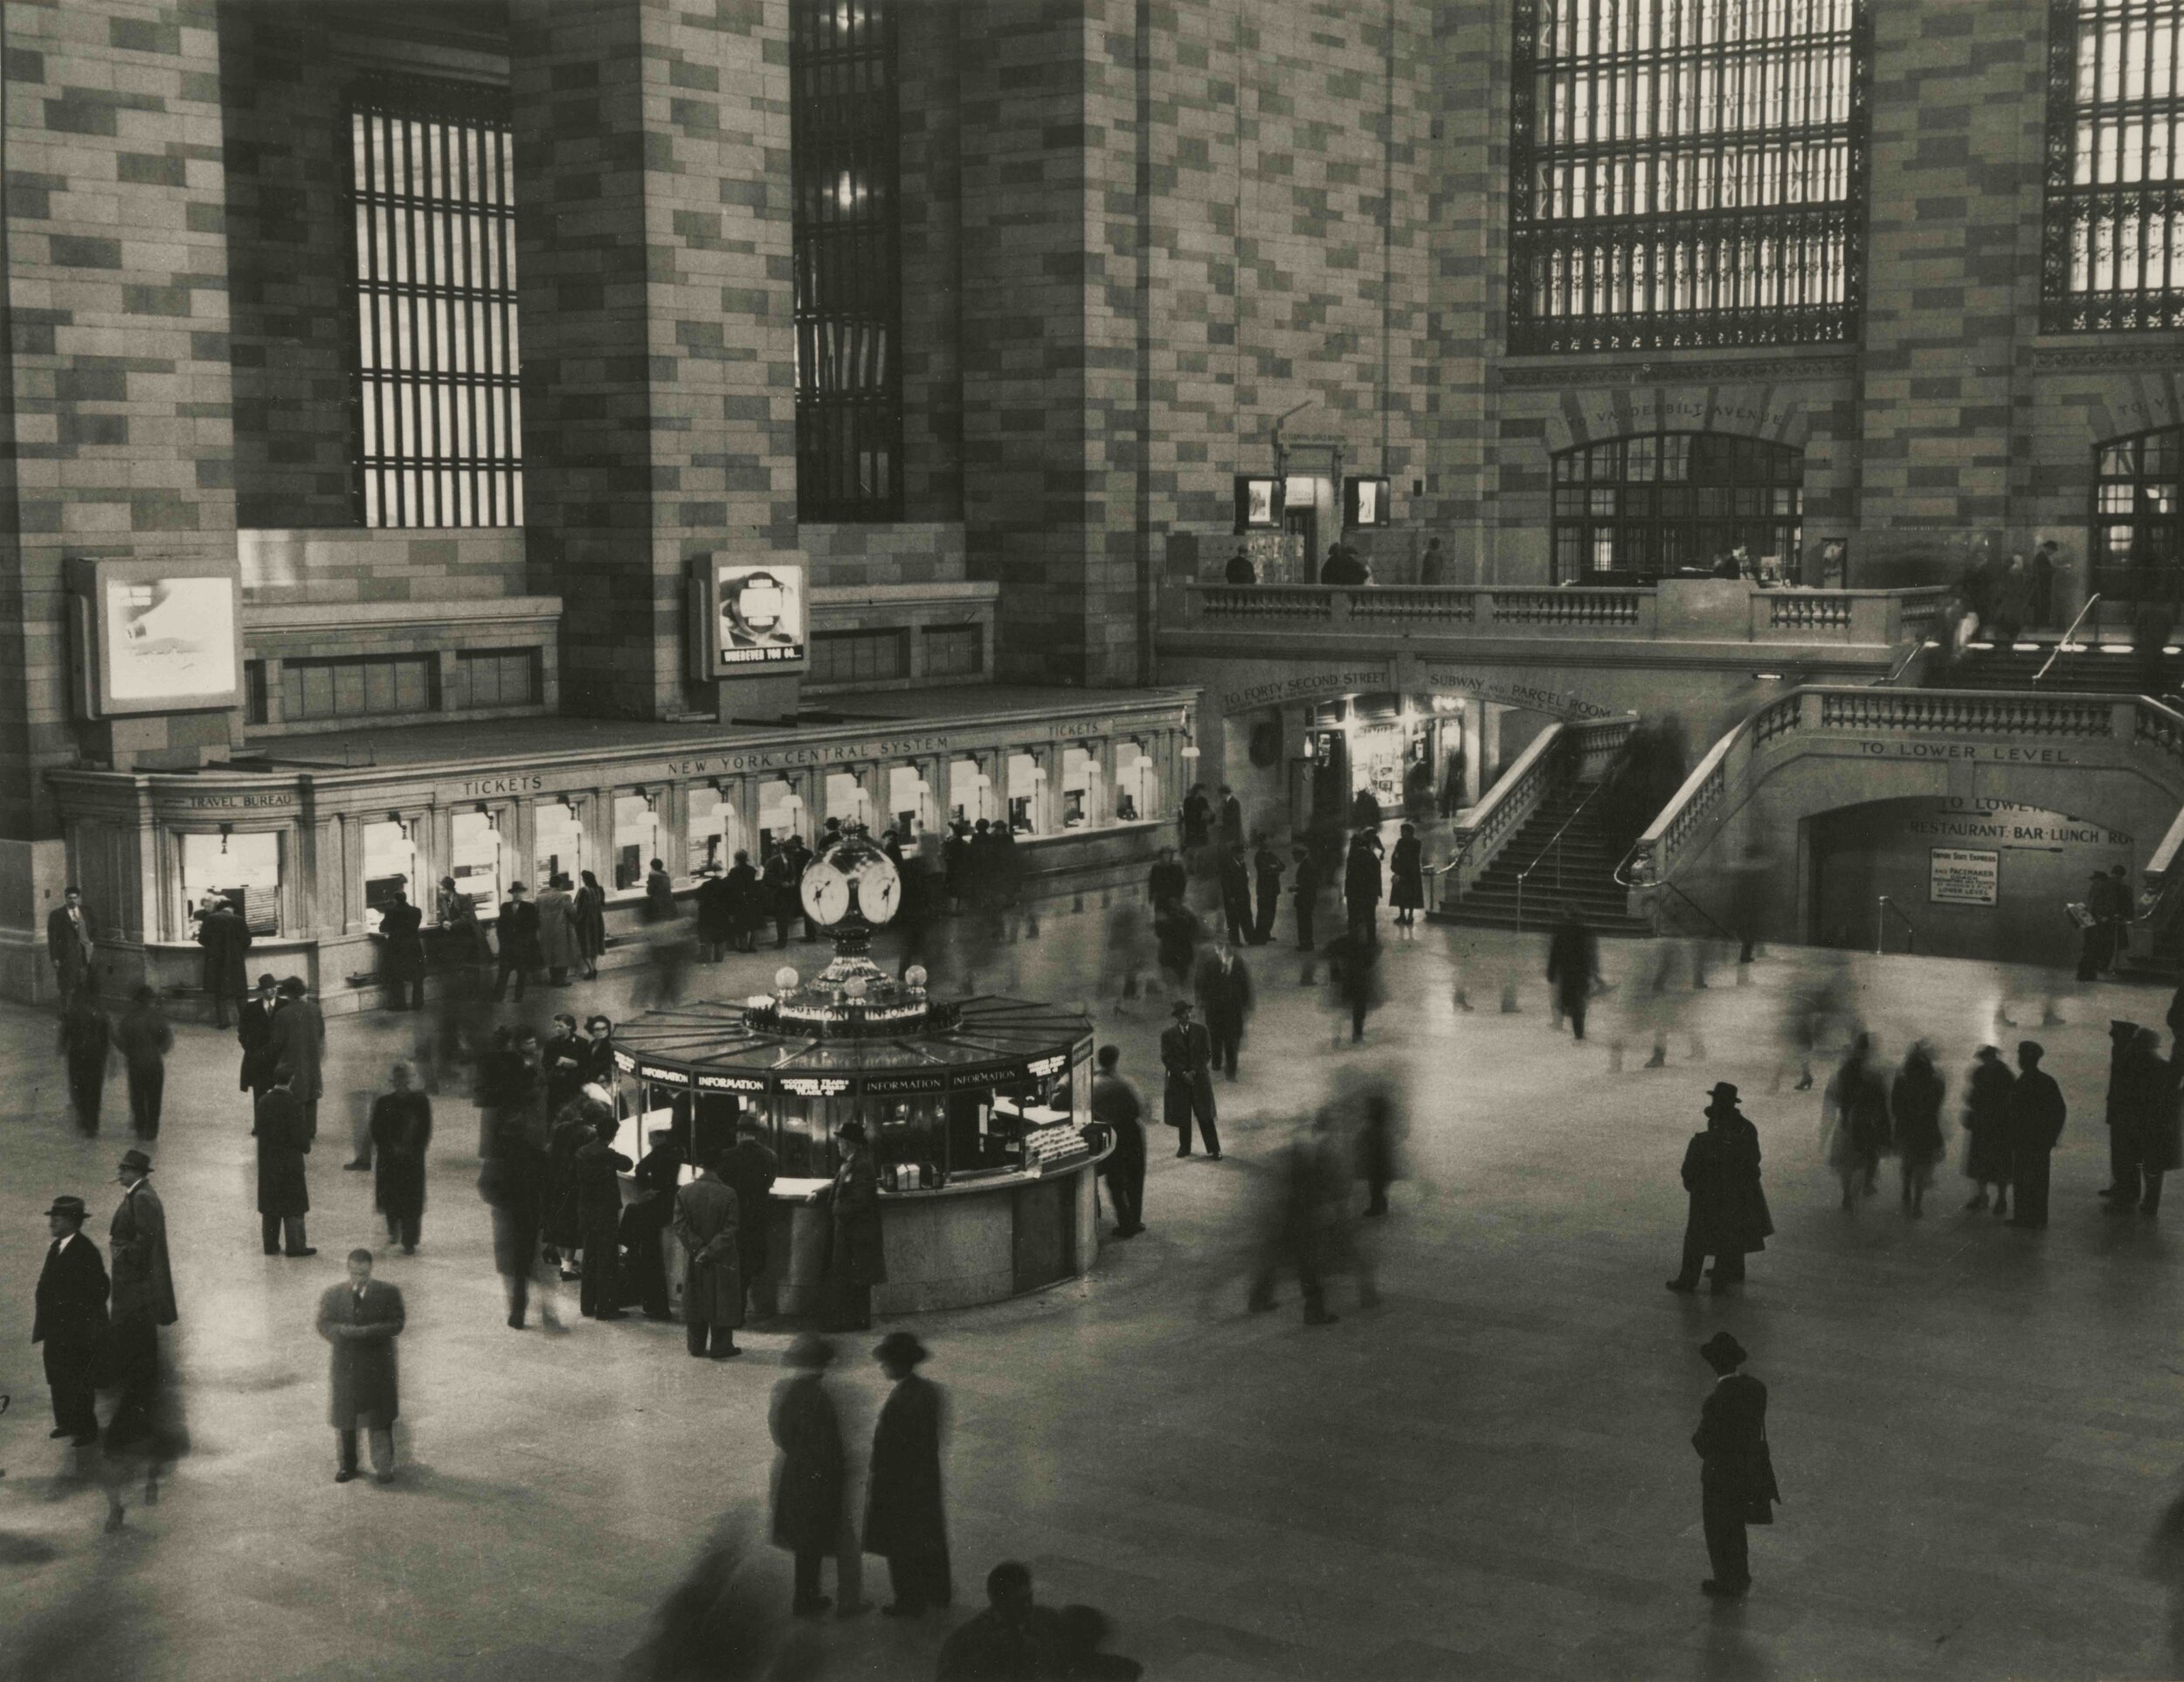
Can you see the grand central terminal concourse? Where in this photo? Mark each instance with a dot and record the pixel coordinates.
(1231, 841)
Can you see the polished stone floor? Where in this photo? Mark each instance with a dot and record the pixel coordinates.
(1978, 1430)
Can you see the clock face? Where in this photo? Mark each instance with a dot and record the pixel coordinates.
(825, 892)
(879, 888)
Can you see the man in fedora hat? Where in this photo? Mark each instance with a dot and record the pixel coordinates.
(143, 1296)
(70, 1319)
(299, 1051)
(1737, 1484)
(903, 1520)
(809, 1480)
(253, 1030)
(1186, 1055)
(1729, 1216)
(706, 1221)
(856, 1262)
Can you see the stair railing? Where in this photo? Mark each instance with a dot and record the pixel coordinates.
(1713, 921)
(1555, 847)
(2064, 641)
(1880, 926)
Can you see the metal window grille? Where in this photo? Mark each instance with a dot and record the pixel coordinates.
(857, 656)
(1637, 508)
(1687, 173)
(2112, 259)
(498, 677)
(843, 174)
(2138, 516)
(438, 417)
(356, 688)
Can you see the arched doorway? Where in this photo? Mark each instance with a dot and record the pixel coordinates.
(1629, 510)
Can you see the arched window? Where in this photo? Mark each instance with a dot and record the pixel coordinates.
(2137, 486)
(1653, 503)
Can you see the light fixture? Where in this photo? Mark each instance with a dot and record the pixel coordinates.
(1768, 677)
(784, 980)
(227, 829)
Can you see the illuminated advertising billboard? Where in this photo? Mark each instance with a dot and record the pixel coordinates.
(157, 635)
(752, 616)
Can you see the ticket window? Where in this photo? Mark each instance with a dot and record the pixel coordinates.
(907, 808)
(804, 1133)
(713, 833)
(1080, 788)
(1137, 785)
(474, 861)
(780, 815)
(558, 848)
(907, 1133)
(390, 866)
(846, 801)
(244, 869)
(1026, 774)
(970, 792)
(636, 840)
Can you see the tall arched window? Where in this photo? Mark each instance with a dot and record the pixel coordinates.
(2137, 511)
(1656, 502)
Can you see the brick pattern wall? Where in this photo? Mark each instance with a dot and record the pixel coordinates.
(931, 228)
(415, 565)
(852, 555)
(652, 254)
(116, 382)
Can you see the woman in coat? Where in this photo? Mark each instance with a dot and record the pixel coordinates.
(86, 1048)
(558, 931)
(1406, 877)
(808, 1479)
(1855, 1105)
(660, 895)
(1915, 1102)
(903, 1520)
(706, 1222)
(1729, 1217)
(588, 915)
(855, 1262)
(1988, 1160)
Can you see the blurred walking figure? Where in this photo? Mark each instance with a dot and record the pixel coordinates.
(457, 913)
(1266, 868)
(1379, 1144)
(1361, 887)
(1353, 980)
(362, 1319)
(1406, 877)
(1305, 891)
(1737, 1484)
(401, 1135)
(512, 1181)
(145, 1437)
(71, 1320)
(1729, 1218)
(1915, 1104)
(2142, 1120)
(1117, 1104)
(587, 919)
(1813, 1008)
(707, 1226)
(1224, 990)
(808, 1482)
(903, 1519)
(2036, 1115)
(225, 937)
(1655, 1004)
(1236, 884)
(1989, 1157)
(596, 1172)
(1573, 969)
(1122, 956)
(1299, 1234)
(144, 1036)
(1186, 1057)
(86, 1049)
(1855, 1114)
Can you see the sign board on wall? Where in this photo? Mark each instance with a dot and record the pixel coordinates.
(1960, 876)
(747, 616)
(157, 635)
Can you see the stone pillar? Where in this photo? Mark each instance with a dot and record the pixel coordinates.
(652, 165)
(113, 381)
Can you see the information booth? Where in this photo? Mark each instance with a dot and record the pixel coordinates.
(978, 1112)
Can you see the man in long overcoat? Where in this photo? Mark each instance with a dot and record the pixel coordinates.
(705, 1221)
(596, 1177)
(2036, 1115)
(225, 938)
(283, 1197)
(1224, 989)
(751, 1169)
(1186, 1057)
(808, 1482)
(1729, 1217)
(518, 932)
(299, 1049)
(1361, 888)
(362, 1319)
(70, 1319)
(402, 959)
(144, 1298)
(557, 947)
(1235, 884)
(1736, 1471)
(68, 942)
(1988, 1154)
(903, 1517)
(253, 1031)
(856, 1260)
(401, 1135)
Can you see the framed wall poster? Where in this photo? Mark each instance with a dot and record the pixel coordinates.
(157, 635)
(1258, 502)
(1958, 875)
(751, 615)
(1367, 502)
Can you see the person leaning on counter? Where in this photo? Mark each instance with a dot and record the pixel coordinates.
(855, 1263)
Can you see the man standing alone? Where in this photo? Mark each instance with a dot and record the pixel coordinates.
(71, 1319)
(362, 1319)
(1186, 1055)
(2036, 1115)
(68, 943)
(1737, 1484)
(143, 1281)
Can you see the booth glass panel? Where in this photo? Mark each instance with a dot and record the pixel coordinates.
(474, 861)
(714, 834)
(559, 846)
(390, 865)
(636, 839)
(244, 869)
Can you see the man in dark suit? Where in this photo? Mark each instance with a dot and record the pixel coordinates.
(362, 1319)
(71, 1318)
(520, 949)
(68, 942)
(1224, 986)
(253, 1027)
(1266, 869)
(2036, 1115)
(225, 938)
(143, 1282)
(402, 959)
(299, 1051)
(1186, 1055)
(1736, 1476)
(1235, 878)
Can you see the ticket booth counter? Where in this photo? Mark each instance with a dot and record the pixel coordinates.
(980, 1123)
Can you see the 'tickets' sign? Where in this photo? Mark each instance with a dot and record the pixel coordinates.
(1959, 876)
